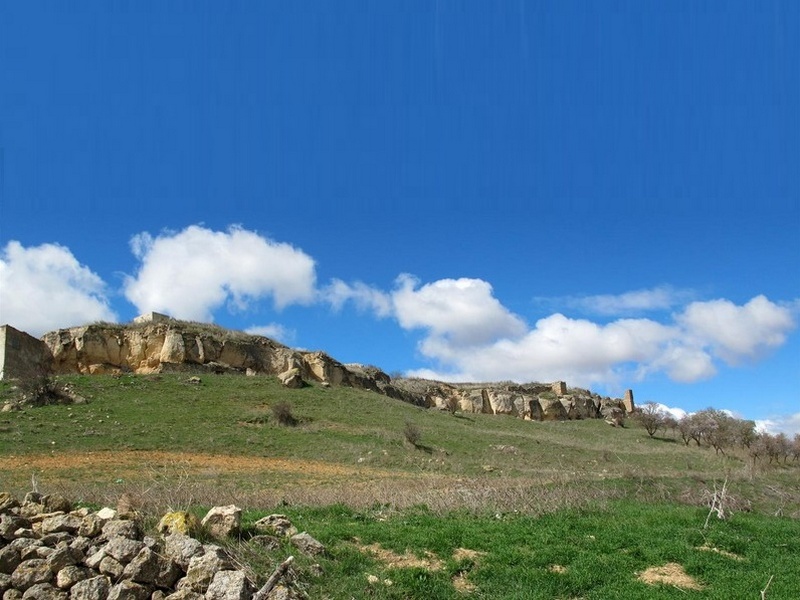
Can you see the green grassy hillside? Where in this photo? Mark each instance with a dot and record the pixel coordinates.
(481, 506)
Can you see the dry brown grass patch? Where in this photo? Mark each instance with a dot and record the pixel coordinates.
(407, 560)
(670, 574)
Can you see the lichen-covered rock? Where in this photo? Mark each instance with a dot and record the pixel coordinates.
(44, 591)
(64, 556)
(9, 559)
(95, 588)
(179, 521)
(277, 524)
(31, 572)
(223, 521)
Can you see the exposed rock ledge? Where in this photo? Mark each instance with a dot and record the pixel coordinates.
(165, 345)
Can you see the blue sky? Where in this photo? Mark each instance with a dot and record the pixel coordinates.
(602, 192)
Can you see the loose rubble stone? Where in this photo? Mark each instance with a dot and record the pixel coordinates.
(144, 567)
(9, 559)
(307, 544)
(31, 572)
(277, 524)
(121, 528)
(96, 588)
(70, 575)
(129, 590)
(202, 568)
(229, 585)
(44, 591)
(182, 548)
(123, 549)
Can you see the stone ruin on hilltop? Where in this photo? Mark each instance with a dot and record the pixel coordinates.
(155, 343)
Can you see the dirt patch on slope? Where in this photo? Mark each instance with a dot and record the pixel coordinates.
(670, 574)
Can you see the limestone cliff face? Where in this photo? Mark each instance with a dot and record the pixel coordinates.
(169, 345)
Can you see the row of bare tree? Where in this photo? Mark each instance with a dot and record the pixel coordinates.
(719, 430)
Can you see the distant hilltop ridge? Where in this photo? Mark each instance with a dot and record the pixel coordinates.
(156, 343)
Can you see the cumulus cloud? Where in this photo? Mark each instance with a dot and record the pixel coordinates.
(788, 424)
(459, 312)
(45, 287)
(738, 333)
(274, 331)
(191, 273)
(471, 336)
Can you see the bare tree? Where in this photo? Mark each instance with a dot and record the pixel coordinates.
(650, 416)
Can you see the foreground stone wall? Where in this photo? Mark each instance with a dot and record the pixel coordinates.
(48, 551)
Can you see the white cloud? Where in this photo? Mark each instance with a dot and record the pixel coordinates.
(738, 333)
(191, 273)
(788, 424)
(662, 297)
(471, 336)
(43, 288)
(458, 312)
(274, 331)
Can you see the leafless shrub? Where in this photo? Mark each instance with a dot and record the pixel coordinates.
(412, 433)
(282, 413)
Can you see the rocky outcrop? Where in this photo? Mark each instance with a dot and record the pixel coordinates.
(158, 344)
(78, 554)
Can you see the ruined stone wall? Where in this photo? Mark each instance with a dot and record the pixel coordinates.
(21, 355)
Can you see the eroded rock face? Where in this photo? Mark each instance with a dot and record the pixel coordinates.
(168, 345)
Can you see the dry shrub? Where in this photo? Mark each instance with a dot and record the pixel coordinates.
(412, 433)
(282, 413)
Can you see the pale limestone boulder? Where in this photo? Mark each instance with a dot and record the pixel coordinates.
(291, 379)
(173, 350)
(223, 521)
(229, 585)
(70, 575)
(552, 409)
(111, 567)
(502, 403)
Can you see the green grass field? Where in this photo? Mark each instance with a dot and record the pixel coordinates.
(551, 510)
